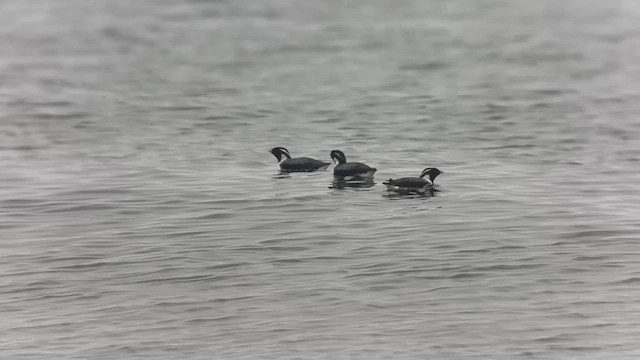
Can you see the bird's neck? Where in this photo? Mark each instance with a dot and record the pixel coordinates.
(429, 177)
(340, 160)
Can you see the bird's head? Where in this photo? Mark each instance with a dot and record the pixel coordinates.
(432, 172)
(279, 152)
(338, 156)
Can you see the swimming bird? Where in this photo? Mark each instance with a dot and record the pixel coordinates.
(301, 164)
(413, 184)
(350, 170)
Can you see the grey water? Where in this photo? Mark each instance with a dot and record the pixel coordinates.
(142, 216)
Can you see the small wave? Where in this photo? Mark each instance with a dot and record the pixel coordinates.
(467, 275)
(65, 116)
(63, 208)
(213, 216)
(179, 279)
(427, 66)
(631, 280)
(182, 107)
(215, 118)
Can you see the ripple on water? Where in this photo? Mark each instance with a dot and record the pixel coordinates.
(142, 215)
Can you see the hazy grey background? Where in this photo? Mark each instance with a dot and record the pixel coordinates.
(142, 217)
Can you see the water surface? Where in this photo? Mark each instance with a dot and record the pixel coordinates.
(142, 216)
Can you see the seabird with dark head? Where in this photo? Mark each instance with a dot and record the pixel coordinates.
(301, 164)
(350, 170)
(414, 184)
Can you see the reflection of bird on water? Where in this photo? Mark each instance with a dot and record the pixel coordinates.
(340, 183)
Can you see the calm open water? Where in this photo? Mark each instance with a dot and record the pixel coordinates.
(142, 217)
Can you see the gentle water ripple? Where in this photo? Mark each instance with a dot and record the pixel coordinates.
(142, 216)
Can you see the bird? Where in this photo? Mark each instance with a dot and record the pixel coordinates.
(350, 170)
(301, 164)
(414, 184)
